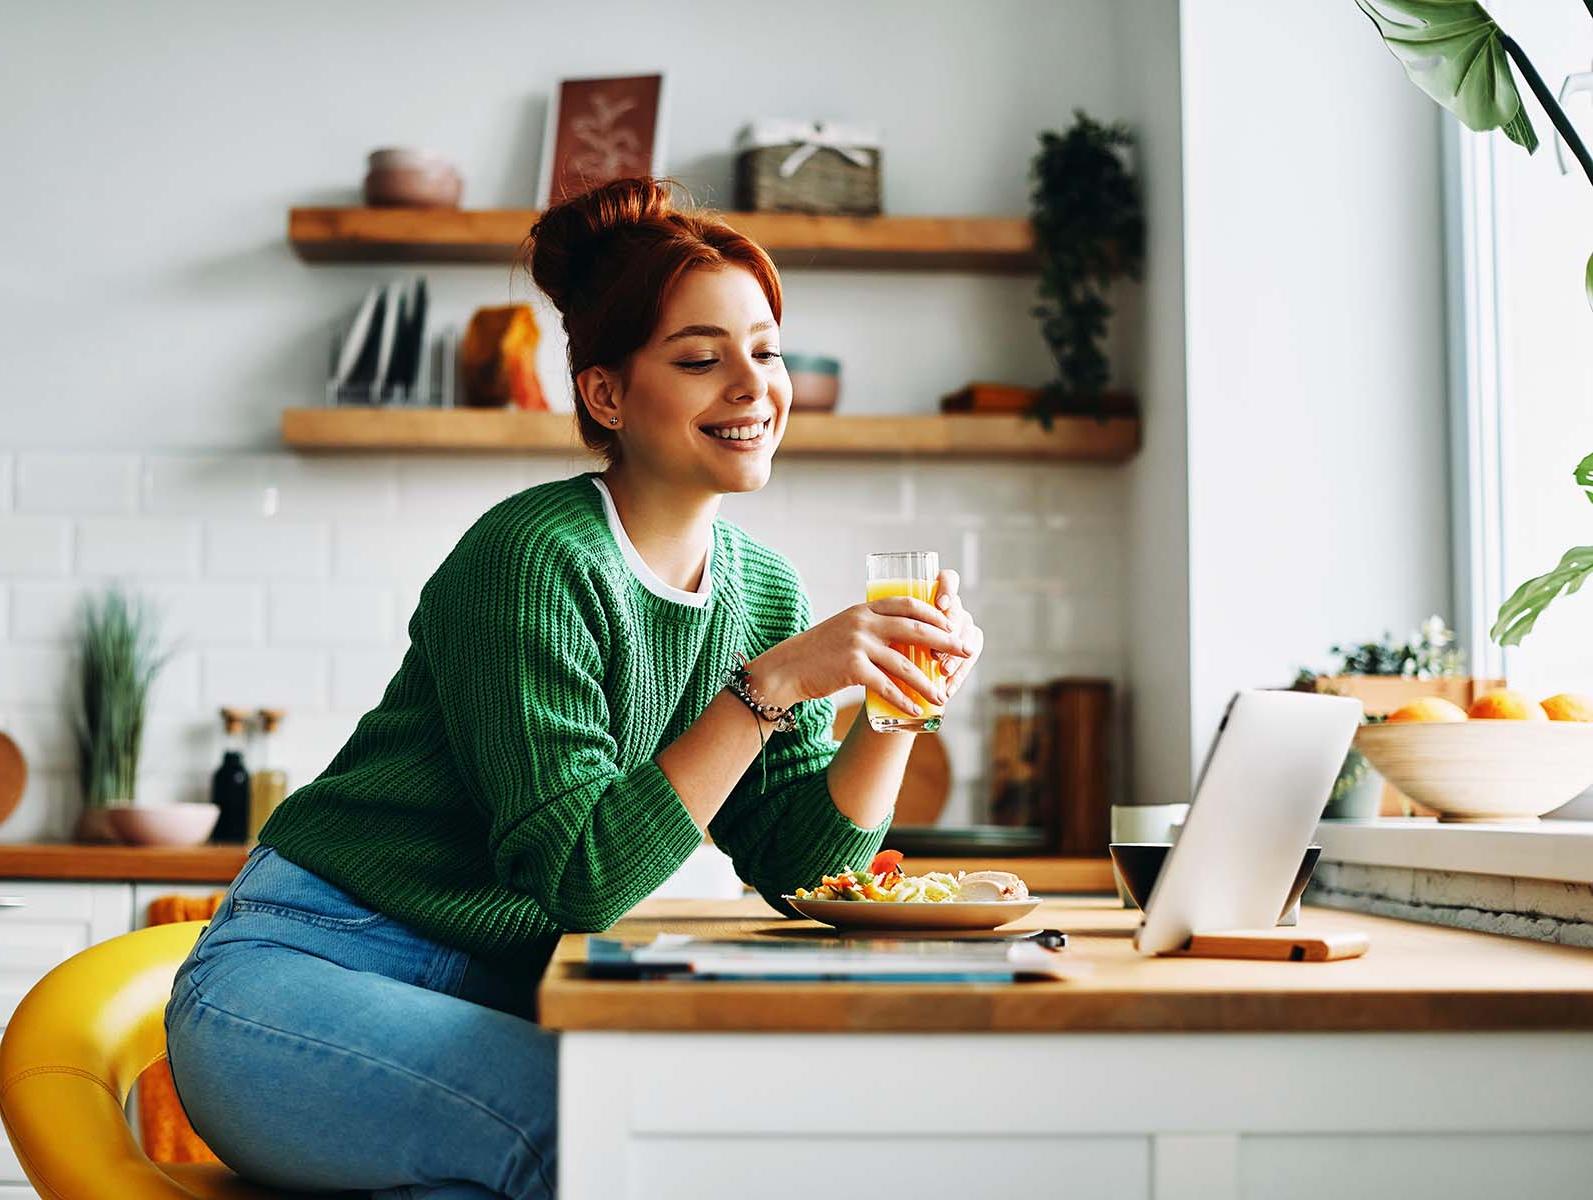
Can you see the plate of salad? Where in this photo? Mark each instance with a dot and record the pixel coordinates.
(886, 897)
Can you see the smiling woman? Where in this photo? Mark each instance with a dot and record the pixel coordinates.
(611, 260)
(601, 670)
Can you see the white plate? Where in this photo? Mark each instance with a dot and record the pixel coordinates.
(354, 340)
(884, 914)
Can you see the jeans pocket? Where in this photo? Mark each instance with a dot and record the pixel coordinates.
(283, 888)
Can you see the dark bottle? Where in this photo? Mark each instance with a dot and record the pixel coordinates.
(229, 786)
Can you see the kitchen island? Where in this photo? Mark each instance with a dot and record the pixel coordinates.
(1443, 1062)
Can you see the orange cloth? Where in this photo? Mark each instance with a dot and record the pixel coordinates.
(168, 1137)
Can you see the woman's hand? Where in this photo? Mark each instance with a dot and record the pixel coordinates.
(956, 668)
(854, 647)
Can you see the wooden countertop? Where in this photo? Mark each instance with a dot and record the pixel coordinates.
(167, 864)
(1415, 978)
(218, 864)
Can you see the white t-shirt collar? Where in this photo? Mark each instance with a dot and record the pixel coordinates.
(645, 575)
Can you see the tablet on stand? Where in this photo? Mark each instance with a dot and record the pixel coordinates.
(1256, 806)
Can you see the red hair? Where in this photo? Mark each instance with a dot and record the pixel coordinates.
(608, 259)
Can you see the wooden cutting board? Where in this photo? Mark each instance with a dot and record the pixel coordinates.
(926, 786)
(13, 777)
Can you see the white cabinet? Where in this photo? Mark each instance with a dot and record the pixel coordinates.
(43, 923)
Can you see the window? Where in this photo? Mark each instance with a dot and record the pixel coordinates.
(1522, 364)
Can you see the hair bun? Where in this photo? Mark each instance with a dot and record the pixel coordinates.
(566, 241)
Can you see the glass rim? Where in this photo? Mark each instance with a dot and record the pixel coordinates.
(904, 554)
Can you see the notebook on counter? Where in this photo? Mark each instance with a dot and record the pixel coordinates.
(861, 960)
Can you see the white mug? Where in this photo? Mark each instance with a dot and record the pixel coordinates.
(1145, 823)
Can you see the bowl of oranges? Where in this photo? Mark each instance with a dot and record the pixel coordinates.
(1507, 758)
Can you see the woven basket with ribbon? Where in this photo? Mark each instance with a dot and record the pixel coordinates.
(808, 166)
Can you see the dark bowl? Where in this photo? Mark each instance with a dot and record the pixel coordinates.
(1139, 863)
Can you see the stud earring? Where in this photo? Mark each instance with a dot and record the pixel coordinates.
(613, 420)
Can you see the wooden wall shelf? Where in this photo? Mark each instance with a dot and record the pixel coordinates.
(999, 244)
(1071, 439)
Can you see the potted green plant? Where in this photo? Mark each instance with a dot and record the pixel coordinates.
(1456, 53)
(118, 659)
(1089, 231)
(1383, 675)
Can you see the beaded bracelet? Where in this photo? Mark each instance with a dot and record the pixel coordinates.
(740, 686)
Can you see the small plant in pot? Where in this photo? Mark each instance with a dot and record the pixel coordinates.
(119, 657)
(1089, 231)
(1384, 675)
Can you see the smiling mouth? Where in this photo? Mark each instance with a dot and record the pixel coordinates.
(740, 435)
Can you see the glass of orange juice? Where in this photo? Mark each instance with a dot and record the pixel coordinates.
(906, 573)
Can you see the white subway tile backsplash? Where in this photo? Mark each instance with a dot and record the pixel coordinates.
(76, 484)
(208, 485)
(1084, 620)
(360, 677)
(35, 545)
(193, 614)
(48, 809)
(1078, 493)
(438, 486)
(332, 487)
(179, 742)
(765, 514)
(264, 678)
(979, 492)
(42, 733)
(1008, 617)
(210, 614)
(1049, 555)
(825, 490)
(176, 687)
(406, 598)
(172, 787)
(328, 614)
(290, 582)
(265, 550)
(34, 675)
(306, 744)
(46, 611)
(140, 546)
(374, 550)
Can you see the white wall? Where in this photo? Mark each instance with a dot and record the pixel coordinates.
(150, 296)
(155, 323)
(1313, 291)
(1157, 596)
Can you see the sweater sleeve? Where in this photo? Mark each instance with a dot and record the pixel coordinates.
(784, 832)
(519, 673)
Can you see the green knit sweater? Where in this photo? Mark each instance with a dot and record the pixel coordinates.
(504, 790)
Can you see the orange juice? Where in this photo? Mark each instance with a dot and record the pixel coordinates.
(882, 714)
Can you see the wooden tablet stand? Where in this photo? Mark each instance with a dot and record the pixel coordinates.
(1281, 945)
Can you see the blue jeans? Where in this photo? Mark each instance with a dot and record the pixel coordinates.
(317, 1044)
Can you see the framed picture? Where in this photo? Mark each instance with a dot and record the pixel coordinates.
(600, 130)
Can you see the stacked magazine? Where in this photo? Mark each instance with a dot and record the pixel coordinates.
(873, 960)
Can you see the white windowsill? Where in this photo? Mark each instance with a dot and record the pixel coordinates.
(1556, 850)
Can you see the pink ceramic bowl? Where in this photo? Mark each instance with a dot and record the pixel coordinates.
(163, 824)
(408, 187)
(409, 158)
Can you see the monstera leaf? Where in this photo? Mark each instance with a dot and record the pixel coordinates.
(1454, 52)
(1520, 613)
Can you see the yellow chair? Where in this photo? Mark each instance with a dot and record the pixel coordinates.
(73, 1049)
